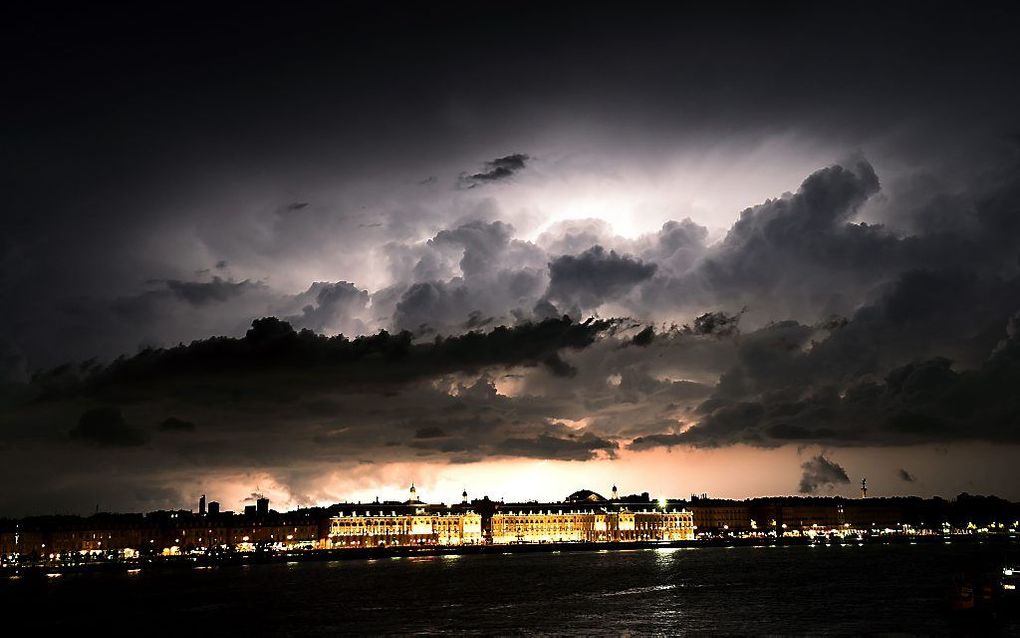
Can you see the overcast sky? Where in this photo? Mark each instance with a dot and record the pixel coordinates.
(741, 249)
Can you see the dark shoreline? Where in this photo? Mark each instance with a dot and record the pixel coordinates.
(376, 553)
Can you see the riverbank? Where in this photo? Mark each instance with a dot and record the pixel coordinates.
(51, 569)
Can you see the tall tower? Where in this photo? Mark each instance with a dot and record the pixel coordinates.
(616, 493)
(463, 497)
(413, 494)
(864, 488)
(201, 505)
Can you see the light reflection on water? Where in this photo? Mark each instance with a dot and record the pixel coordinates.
(876, 589)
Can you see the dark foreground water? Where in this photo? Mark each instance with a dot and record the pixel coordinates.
(747, 590)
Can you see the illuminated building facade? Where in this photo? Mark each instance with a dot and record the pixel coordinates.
(404, 524)
(591, 525)
(376, 528)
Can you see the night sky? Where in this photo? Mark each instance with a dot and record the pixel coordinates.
(321, 251)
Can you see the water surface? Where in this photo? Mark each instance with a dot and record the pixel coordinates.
(746, 590)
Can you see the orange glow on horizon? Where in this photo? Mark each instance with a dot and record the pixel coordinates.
(736, 472)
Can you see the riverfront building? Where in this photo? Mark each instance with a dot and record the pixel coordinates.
(404, 524)
(367, 528)
(586, 516)
(548, 526)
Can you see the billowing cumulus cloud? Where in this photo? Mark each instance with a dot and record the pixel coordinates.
(584, 282)
(820, 473)
(332, 308)
(753, 250)
(796, 256)
(921, 356)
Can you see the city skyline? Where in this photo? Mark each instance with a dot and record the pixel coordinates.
(261, 501)
(580, 521)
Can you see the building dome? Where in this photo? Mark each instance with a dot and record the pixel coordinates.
(585, 496)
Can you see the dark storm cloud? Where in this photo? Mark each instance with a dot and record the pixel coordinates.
(276, 398)
(559, 367)
(836, 380)
(923, 356)
(717, 324)
(496, 170)
(292, 159)
(645, 337)
(569, 448)
(173, 424)
(13, 367)
(429, 432)
(363, 108)
(820, 472)
(772, 402)
(795, 255)
(906, 476)
(586, 280)
(449, 306)
(272, 345)
(106, 427)
(202, 293)
(477, 320)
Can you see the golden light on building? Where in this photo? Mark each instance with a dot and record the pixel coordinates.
(372, 529)
(547, 526)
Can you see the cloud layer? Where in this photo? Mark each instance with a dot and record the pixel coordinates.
(820, 472)
(348, 236)
(868, 367)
